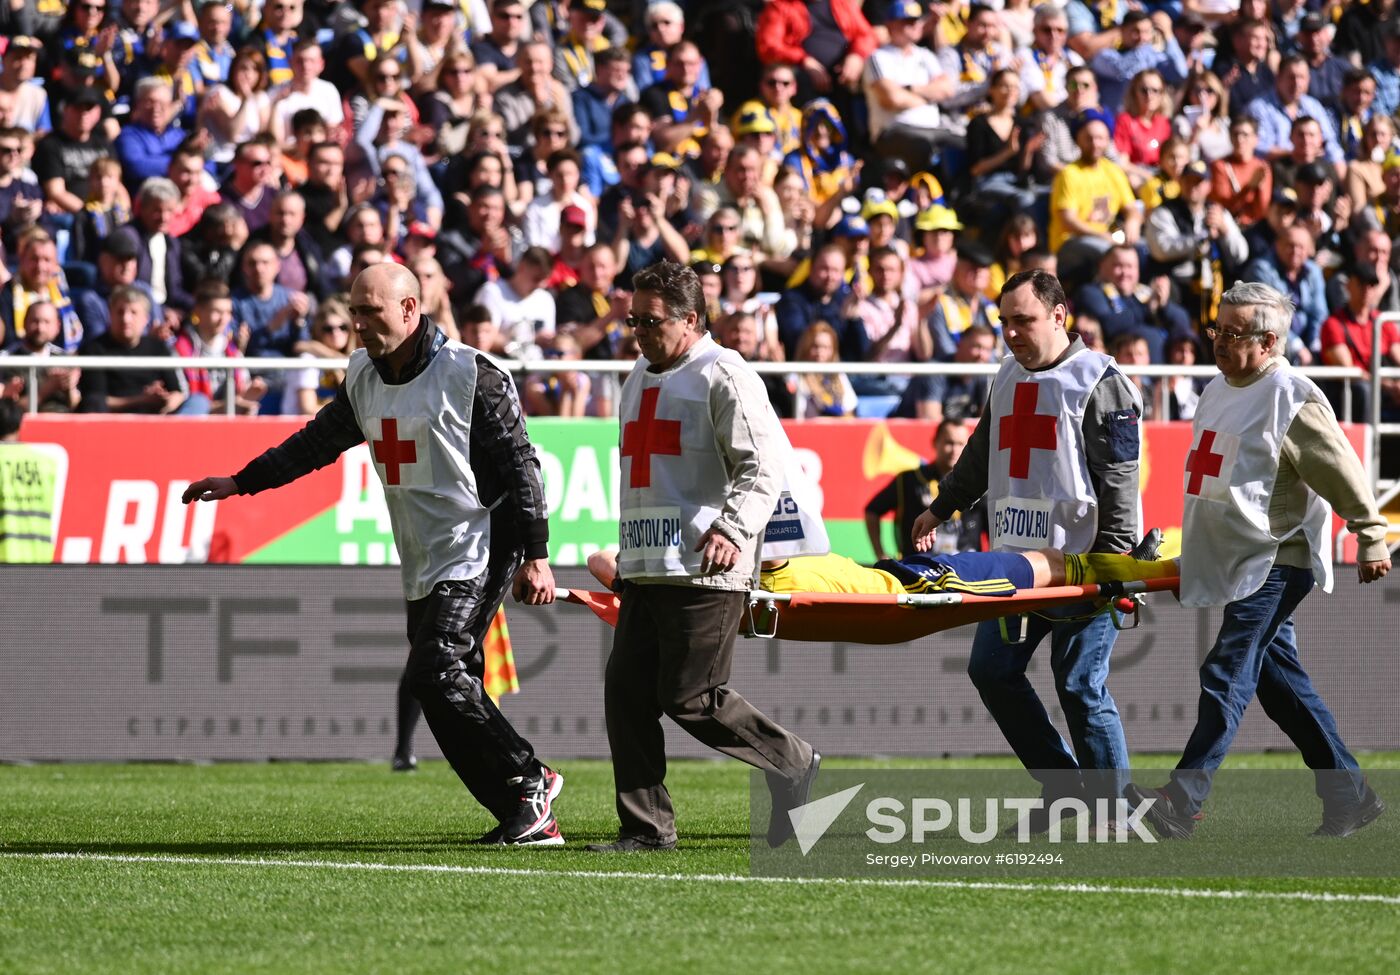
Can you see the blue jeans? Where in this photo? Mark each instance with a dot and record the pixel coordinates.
(196, 404)
(1256, 651)
(1079, 655)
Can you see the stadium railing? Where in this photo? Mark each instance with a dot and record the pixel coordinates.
(617, 368)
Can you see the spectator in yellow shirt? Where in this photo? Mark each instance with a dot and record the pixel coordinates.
(1090, 197)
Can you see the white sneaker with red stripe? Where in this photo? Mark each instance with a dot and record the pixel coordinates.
(533, 823)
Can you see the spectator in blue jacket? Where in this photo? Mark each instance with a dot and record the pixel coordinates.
(824, 296)
(1123, 304)
(1291, 270)
(594, 103)
(147, 140)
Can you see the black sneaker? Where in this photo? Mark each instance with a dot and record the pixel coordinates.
(1164, 818)
(1346, 820)
(534, 818)
(1147, 549)
(632, 844)
(493, 838)
(788, 796)
(404, 763)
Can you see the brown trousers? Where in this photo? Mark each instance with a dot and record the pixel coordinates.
(671, 655)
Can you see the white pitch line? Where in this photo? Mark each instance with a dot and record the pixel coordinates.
(1317, 896)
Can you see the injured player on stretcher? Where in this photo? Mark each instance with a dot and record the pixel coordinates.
(977, 573)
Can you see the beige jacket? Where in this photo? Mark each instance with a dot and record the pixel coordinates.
(1316, 454)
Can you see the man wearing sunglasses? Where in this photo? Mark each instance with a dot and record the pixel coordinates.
(1268, 466)
(703, 460)
(465, 497)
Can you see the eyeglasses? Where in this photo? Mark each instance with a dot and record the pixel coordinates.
(1230, 338)
(645, 321)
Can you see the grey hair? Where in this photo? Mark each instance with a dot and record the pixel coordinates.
(664, 7)
(149, 84)
(1273, 311)
(1048, 13)
(129, 294)
(158, 188)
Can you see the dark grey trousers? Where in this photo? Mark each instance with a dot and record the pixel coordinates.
(671, 655)
(445, 671)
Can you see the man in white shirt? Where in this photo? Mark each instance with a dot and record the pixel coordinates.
(1047, 61)
(904, 82)
(520, 306)
(307, 89)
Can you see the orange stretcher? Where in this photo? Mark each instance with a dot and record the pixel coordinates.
(889, 618)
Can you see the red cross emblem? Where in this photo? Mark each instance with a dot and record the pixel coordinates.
(1024, 430)
(1201, 463)
(392, 452)
(646, 435)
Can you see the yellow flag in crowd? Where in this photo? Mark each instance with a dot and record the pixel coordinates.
(500, 662)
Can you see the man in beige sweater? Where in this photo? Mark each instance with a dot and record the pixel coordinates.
(702, 465)
(1267, 468)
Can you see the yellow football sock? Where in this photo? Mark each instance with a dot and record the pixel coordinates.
(1087, 570)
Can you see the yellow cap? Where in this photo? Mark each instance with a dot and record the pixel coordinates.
(937, 218)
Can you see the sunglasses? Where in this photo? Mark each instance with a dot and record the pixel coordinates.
(644, 321)
(94, 7)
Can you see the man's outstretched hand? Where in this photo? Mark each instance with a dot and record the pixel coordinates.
(210, 489)
(534, 583)
(924, 531)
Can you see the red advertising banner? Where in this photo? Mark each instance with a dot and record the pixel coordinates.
(121, 500)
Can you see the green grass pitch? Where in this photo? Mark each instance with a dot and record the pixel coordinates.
(291, 903)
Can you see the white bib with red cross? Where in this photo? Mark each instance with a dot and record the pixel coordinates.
(1227, 545)
(675, 480)
(1039, 494)
(419, 436)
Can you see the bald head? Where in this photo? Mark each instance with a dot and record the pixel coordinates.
(385, 308)
(397, 281)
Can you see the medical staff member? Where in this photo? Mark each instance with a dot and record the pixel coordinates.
(1056, 454)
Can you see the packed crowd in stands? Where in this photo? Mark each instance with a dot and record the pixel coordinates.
(853, 182)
